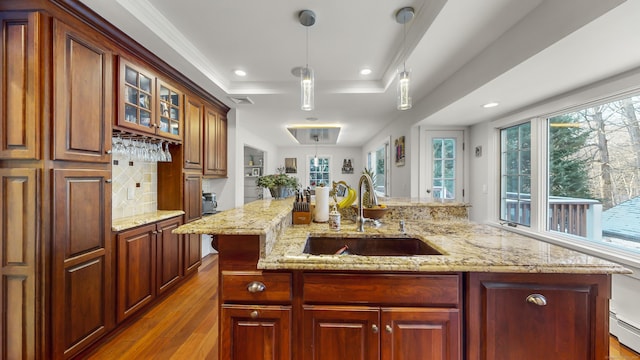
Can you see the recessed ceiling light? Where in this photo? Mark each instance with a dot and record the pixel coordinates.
(240, 73)
(365, 71)
(490, 105)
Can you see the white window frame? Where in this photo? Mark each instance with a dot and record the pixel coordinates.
(602, 92)
(386, 144)
(308, 169)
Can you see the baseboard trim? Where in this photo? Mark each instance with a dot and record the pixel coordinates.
(627, 334)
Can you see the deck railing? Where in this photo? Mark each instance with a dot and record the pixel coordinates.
(581, 217)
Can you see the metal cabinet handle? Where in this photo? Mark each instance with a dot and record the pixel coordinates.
(256, 287)
(108, 152)
(537, 299)
(374, 328)
(388, 329)
(254, 314)
(108, 181)
(188, 161)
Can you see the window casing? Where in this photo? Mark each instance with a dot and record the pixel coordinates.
(588, 188)
(319, 174)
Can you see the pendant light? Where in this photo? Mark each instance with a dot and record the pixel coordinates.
(403, 16)
(307, 18)
(315, 158)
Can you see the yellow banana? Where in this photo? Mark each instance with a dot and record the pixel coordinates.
(349, 199)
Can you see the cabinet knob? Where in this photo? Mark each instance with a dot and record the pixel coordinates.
(254, 314)
(256, 287)
(108, 181)
(108, 152)
(537, 299)
(188, 161)
(388, 329)
(374, 328)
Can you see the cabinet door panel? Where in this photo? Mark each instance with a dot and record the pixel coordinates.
(335, 332)
(19, 85)
(169, 248)
(572, 323)
(420, 333)
(192, 197)
(18, 269)
(81, 268)
(255, 332)
(82, 98)
(193, 134)
(192, 253)
(136, 270)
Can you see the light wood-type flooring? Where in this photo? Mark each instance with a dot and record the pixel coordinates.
(184, 325)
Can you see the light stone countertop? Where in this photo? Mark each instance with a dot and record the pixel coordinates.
(143, 219)
(466, 246)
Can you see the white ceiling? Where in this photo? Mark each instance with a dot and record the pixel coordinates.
(463, 53)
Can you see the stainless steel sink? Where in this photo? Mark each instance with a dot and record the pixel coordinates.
(387, 246)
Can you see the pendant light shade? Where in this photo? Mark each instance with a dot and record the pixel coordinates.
(403, 16)
(307, 82)
(306, 88)
(404, 96)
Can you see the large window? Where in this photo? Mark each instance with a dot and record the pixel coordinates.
(319, 173)
(589, 166)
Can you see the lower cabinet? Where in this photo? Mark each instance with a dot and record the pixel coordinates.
(361, 332)
(537, 316)
(192, 253)
(256, 332)
(149, 262)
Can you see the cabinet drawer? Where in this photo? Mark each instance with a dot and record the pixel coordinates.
(256, 287)
(420, 290)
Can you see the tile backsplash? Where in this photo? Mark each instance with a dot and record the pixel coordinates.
(134, 187)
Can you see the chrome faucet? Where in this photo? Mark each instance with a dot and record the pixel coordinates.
(373, 200)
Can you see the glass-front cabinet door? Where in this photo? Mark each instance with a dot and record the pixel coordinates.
(169, 111)
(137, 98)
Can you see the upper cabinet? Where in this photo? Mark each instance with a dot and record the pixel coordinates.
(82, 96)
(215, 143)
(169, 110)
(192, 147)
(19, 87)
(147, 104)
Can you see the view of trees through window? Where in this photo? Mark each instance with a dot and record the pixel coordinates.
(594, 172)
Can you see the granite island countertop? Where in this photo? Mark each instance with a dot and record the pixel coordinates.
(465, 246)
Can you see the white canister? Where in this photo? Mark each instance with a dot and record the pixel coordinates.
(334, 219)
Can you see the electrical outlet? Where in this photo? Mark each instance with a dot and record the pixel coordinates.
(131, 193)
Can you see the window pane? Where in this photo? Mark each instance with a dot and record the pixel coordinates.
(449, 148)
(515, 205)
(594, 173)
(443, 168)
(319, 175)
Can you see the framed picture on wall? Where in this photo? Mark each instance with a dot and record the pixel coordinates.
(347, 166)
(400, 151)
(290, 165)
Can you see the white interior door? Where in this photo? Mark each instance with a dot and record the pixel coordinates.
(442, 168)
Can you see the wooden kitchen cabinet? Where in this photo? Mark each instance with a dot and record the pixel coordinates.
(169, 260)
(149, 263)
(81, 283)
(416, 316)
(21, 67)
(169, 119)
(215, 143)
(82, 96)
(193, 134)
(537, 316)
(18, 243)
(192, 253)
(192, 197)
(136, 274)
(256, 332)
(136, 97)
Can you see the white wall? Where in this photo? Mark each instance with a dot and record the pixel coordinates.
(480, 189)
(337, 155)
(401, 178)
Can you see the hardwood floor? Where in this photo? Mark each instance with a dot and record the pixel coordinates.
(185, 325)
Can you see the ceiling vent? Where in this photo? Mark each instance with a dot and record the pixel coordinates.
(241, 100)
(308, 135)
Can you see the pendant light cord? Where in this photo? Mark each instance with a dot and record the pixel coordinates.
(307, 59)
(404, 43)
